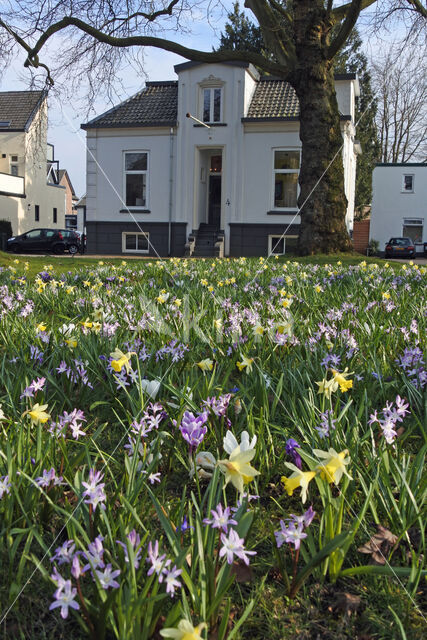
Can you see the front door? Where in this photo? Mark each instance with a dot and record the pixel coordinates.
(214, 202)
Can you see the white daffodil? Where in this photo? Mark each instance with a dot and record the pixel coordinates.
(230, 442)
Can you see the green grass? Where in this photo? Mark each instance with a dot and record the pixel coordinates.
(63, 264)
(362, 313)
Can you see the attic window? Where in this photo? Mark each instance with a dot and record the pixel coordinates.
(4, 123)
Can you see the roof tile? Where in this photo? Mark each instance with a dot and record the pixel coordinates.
(156, 105)
(18, 108)
(273, 99)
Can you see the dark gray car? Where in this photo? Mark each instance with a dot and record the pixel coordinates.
(56, 240)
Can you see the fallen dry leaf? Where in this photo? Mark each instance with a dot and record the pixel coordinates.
(379, 545)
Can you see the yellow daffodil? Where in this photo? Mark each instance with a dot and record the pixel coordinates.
(184, 631)
(217, 323)
(72, 342)
(96, 327)
(69, 289)
(283, 327)
(327, 387)
(206, 364)
(98, 315)
(237, 469)
(41, 327)
(297, 479)
(258, 330)
(246, 364)
(340, 378)
(38, 414)
(121, 359)
(87, 324)
(161, 299)
(177, 302)
(333, 466)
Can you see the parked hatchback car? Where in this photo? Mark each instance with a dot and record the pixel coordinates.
(403, 247)
(56, 240)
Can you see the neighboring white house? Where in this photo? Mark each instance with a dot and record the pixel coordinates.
(158, 180)
(30, 195)
(399, 203)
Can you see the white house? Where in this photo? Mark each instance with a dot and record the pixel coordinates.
(399, 203)
(30, 193)
(161, 182)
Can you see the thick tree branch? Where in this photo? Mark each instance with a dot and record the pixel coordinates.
(418, 6)
(35, 63)
(273, 34)
(147, 41)
(340, 13)
(346, 27)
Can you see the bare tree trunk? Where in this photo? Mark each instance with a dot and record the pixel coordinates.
(322, 196)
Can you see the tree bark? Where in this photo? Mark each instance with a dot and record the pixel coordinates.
(322, 199)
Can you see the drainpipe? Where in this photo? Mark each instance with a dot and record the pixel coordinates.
(170, 190)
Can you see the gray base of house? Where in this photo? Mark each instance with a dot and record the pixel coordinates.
(252, 239)
(106, 237)
(245, 239)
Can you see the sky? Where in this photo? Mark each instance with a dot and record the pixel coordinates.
(65, 117)
(64, 131)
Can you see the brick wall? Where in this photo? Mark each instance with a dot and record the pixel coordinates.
(361, 235)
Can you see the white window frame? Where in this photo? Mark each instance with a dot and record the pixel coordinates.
(275, 171)
(139, 171)
(135, 233)
(211, 89)
(413, 222)
(272, 240)
(411, 175)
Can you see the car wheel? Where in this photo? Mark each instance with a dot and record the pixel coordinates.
(14, 248)
(73, 248)
(58, 249)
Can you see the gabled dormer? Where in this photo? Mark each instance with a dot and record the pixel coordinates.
(216, 94)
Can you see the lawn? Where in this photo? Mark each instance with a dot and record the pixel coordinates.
(212, 449)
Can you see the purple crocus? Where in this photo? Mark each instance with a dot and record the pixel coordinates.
(135, 541)
(159, 563)
(64, 598)
(171, 580)
(106, 577)
(291, 449)
(233, 546)
(221, 518)
(292, 534)
(192, 428)
(94, 489)
(4, 486)
(94, 554)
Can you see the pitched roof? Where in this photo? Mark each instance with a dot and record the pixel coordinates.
(19, 108)
(154, 106)
(61, 174)
(157, 104)
(273, 98)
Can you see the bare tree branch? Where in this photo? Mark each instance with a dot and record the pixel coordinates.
(132, 41)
